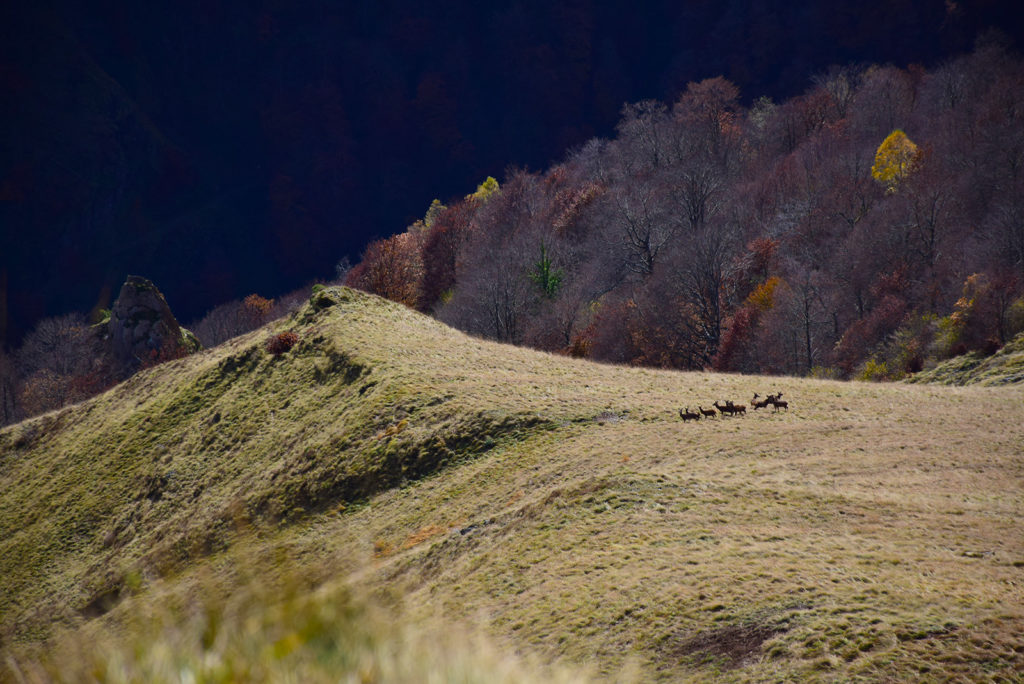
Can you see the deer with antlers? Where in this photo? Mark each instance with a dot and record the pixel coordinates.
(776, 401)
(688, 414)
(759, 404)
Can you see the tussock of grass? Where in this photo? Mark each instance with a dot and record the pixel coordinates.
(872, 531)
(1005, 367)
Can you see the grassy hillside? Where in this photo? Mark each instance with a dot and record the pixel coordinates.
(559, 506)
(1004, 367)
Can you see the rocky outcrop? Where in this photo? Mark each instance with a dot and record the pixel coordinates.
(142, 329)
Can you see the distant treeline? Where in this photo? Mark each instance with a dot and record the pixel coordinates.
(865, 229)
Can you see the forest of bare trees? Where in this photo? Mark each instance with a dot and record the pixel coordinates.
(865, 229)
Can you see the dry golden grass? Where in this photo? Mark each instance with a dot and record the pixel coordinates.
(236, 628)
(870, 532)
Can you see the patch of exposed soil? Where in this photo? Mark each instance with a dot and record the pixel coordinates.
(734, 644)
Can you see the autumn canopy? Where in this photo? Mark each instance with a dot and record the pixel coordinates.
(897, 157)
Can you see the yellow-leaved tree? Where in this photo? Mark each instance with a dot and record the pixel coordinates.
(485, 190)
(896, 158)
(433, 212)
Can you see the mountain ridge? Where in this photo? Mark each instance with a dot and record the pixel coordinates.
(870, 530)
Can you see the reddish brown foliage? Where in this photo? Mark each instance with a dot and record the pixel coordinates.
(760, 257)
(737, 340)
(570, 204)
(440, 252)
(254, 310)
(280, 343)
(983, 308)
(92, 383)
(168, 352)
(392, 268)
(608, 335)
(866, 333)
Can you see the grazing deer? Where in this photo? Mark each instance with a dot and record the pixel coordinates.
(707, 413)
(730, 408)
(759, 404)
(688, 415)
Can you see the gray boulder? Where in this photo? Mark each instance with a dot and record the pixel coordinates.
(142, 330)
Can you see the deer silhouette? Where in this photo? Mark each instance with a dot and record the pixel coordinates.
(776, 401)
(730, 408)
(688, 415)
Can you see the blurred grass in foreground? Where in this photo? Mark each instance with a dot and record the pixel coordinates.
(261, 634)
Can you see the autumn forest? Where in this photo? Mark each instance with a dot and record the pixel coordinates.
(863, 230)
(871, 226)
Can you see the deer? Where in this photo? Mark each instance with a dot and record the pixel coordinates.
(707, 413)
(759, 404)
(724, 410)
(688, 415)
(776, 401)
(730, 408)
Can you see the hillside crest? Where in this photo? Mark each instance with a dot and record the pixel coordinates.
(562, 500)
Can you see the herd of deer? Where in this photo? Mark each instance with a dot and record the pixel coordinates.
(731, 409)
